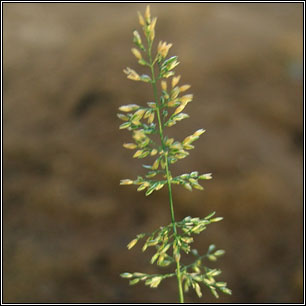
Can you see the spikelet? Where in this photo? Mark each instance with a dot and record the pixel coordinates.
(151, 29)
(147, 14)
(126, 182)
(163, 49)
(131, 74)
(184, 88)
(130, 146)
(164, 85)
(136, 53)
(141, 19)
(128, 108)
(175, 81)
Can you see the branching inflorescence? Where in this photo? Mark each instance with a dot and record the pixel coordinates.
(145, 121)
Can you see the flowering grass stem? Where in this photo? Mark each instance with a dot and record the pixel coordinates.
(160, 115)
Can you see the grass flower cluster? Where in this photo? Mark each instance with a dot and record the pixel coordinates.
(170, 100)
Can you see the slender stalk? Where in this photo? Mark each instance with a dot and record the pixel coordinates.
(161, 134)
(178, 268)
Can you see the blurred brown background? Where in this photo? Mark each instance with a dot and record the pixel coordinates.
(66, 219)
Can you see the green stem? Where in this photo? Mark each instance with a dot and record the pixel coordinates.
(161, 134)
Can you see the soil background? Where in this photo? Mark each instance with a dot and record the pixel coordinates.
(66, 220)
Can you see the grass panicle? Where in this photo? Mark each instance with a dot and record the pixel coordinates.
(153, 118)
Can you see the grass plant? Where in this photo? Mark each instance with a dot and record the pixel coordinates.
(169, 101)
